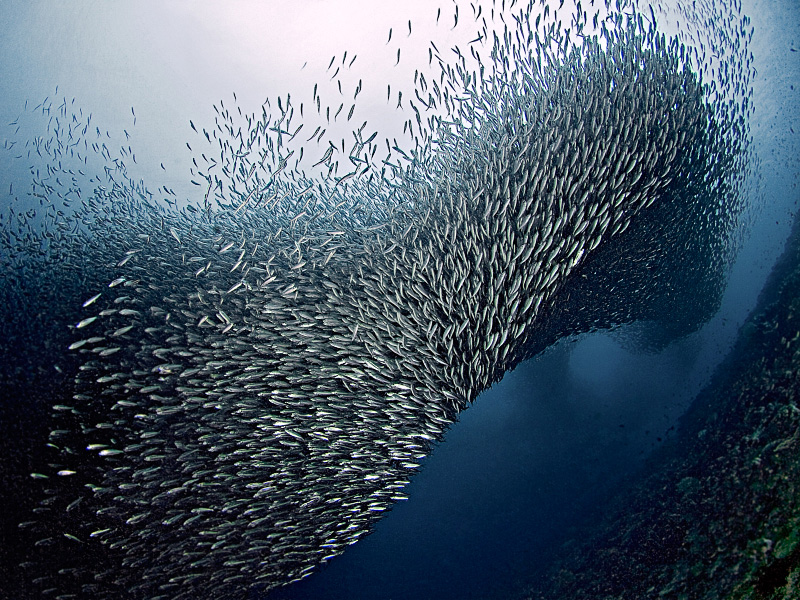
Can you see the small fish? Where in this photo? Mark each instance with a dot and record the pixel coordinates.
(85, 322)
(91, 300)
(250, 418)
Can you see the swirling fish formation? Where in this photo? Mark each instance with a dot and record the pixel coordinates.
(257, 380)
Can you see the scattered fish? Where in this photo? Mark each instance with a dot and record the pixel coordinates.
(231, 426)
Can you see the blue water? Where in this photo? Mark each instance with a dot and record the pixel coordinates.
(530, 458)
(536, 454)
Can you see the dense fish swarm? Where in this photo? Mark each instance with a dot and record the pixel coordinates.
(257, 376)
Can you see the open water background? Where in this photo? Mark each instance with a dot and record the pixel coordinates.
(536, 454)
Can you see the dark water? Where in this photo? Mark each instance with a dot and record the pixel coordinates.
(535, 453)
(536, 456)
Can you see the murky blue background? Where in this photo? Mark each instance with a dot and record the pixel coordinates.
(537, 453)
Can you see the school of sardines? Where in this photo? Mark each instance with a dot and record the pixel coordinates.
(258, 374)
